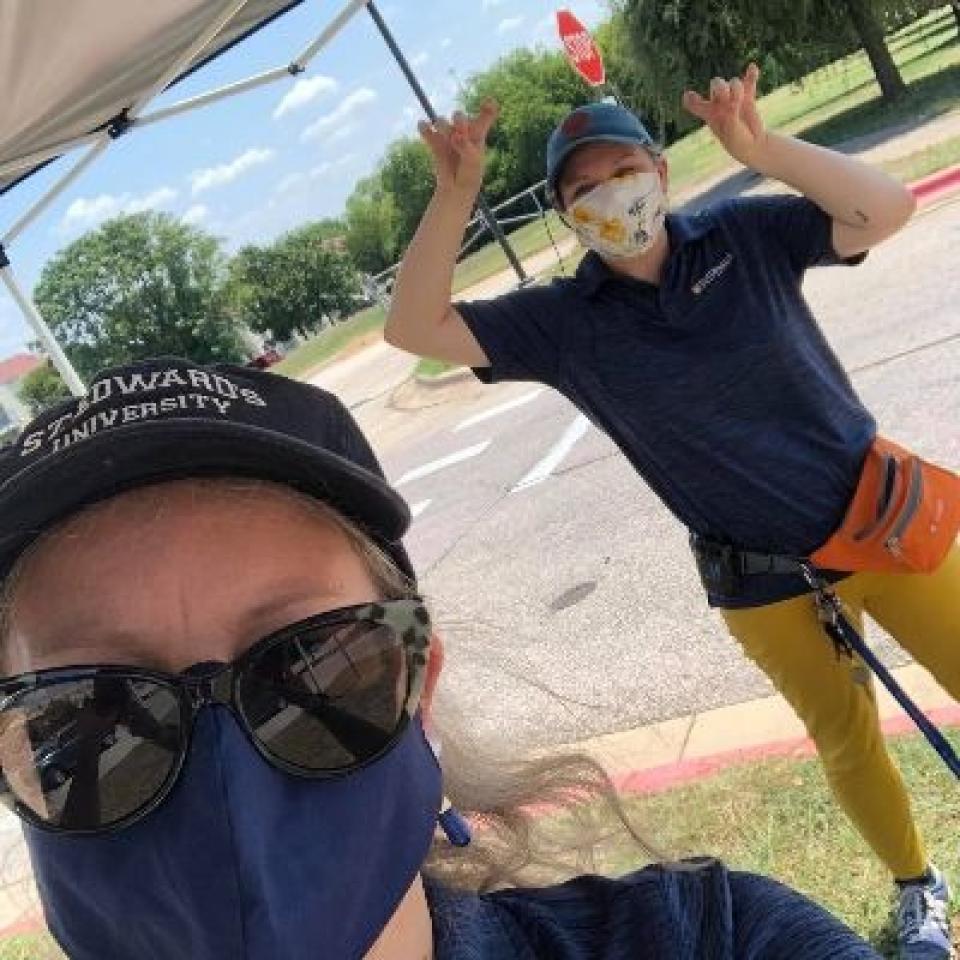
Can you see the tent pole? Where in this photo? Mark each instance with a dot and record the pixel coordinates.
(32, 316)
(55, 191)
(227, 11)
(212, 96)
(330, 31)
(482, 205)
(48, 153)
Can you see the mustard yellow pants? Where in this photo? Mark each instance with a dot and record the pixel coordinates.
(834, 696)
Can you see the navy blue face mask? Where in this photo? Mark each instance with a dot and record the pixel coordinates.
(245, 862)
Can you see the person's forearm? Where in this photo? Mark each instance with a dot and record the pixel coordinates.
(849, 190)
(421, 293)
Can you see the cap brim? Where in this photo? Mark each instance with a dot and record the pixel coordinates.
(575, 144)
(126, 457)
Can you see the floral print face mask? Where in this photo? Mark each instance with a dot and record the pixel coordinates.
(622, 217)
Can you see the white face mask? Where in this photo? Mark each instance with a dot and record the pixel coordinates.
(622, 217)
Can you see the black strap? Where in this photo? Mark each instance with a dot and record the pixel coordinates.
(753, 563)
(744, 562)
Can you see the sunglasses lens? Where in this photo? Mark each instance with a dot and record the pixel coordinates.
(329, 698)
(84, 754)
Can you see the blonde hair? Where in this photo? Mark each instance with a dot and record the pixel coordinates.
(535, 821)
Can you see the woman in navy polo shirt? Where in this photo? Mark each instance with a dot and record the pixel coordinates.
(689, 341)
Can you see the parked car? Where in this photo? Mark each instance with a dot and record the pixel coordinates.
(268, 358)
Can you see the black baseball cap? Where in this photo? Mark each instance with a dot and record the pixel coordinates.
(169, 419)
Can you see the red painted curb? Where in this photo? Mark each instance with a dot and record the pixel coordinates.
(657, 779)
(936, 184)
(30, 922)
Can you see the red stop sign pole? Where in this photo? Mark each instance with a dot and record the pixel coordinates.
(582, 52)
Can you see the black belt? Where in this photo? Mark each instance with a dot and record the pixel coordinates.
(723, 566)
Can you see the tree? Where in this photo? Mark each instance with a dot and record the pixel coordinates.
(42, 387)
(406, 176)
(863, 16)
(371, 220)
(139, 286)
(666, 46)
(535, 90)
(296, 285)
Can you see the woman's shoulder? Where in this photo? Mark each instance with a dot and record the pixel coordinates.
(686, 910)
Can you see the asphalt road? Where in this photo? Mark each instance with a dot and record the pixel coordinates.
(563, 589)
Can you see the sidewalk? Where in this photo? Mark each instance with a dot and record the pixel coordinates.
(683, 749)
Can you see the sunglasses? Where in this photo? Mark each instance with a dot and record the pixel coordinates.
(95, 749)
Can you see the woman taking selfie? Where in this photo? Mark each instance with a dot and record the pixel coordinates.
(217, 670)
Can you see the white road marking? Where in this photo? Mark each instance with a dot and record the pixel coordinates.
(448, 461)
(418, 508)
(497, 410)
(555, 457)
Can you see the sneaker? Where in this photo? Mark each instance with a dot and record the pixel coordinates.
(923, 929)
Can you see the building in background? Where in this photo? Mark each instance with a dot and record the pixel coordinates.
(13, 411)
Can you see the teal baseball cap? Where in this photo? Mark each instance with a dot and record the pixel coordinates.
(593, 123)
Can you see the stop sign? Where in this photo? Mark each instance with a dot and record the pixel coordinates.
(582, 52)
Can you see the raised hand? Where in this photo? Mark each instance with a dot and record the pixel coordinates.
(731, 113)
(459, 147)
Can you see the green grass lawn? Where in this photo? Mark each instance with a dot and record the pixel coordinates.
(842, 100)
(430, 367)
(316, 351)
(530, 238)
(926, 161)
(776, 817)
(30, 946)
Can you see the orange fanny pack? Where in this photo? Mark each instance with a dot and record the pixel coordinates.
(904, 516)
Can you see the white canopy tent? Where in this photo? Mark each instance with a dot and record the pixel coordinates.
(76, 76)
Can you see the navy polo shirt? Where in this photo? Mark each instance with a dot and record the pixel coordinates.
(717, 384)
(687, 911)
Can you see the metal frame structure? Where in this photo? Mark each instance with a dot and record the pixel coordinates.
(382, 281)
(134, 117)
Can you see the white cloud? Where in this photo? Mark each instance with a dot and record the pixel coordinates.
(195, 214)
(349, 104)
(508, 24)
(445, 42)
(420, 59)
(225, 173)
(304, 91)
(321, 169)
(490, 4)
(341, 133)
(288, 183)
(86, 212)
(152, 201)
(546, 24)
(407, 122)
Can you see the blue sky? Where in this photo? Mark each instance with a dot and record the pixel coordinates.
(253, 166)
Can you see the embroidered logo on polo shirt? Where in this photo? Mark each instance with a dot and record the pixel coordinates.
(712, 274)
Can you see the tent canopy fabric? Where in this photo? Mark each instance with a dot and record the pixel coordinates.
(67, 69)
